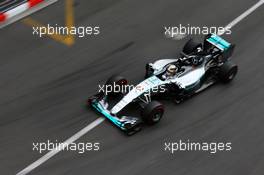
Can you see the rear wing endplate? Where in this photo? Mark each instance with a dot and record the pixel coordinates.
(217, 41)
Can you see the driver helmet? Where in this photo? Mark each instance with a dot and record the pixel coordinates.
(171, 70)
(197, 60)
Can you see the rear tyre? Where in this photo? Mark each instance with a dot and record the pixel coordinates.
(228, 72)
(191, 46)
(153, 112)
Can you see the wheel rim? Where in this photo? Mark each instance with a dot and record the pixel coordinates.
(137, 128)
(232, 75)
(90, 101)
(156, 117)
(122, 82)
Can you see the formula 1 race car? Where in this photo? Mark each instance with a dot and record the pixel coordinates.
(199, 66)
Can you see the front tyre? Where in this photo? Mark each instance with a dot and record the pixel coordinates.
(116, 84)
(228, 72)
(133, 130)
(153, 112)
(117, 79)
(93, 98)
(149, 71)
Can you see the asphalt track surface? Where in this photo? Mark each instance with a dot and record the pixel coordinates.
(44, 85)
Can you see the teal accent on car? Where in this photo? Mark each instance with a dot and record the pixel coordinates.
(219, 42)
(113, 119)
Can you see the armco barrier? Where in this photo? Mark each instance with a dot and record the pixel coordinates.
(18, 9)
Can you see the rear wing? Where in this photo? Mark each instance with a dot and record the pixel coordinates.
(225, 47)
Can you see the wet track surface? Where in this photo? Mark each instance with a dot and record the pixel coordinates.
(44, 85)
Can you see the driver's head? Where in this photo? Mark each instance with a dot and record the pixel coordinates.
(171, 70)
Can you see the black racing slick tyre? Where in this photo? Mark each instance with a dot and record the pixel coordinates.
(116, 84)
(116, 79)
(191, 46)
(152, 112)
(133, 130)
(91, 99)
(228, 72)
(149, 71)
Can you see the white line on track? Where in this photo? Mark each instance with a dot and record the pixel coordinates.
(242, 16)
(57, 150)
(98, 121)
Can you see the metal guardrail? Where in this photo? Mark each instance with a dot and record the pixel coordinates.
(14, 10)
(6, 5)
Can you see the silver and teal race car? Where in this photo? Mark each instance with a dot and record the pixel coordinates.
(199, 66)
